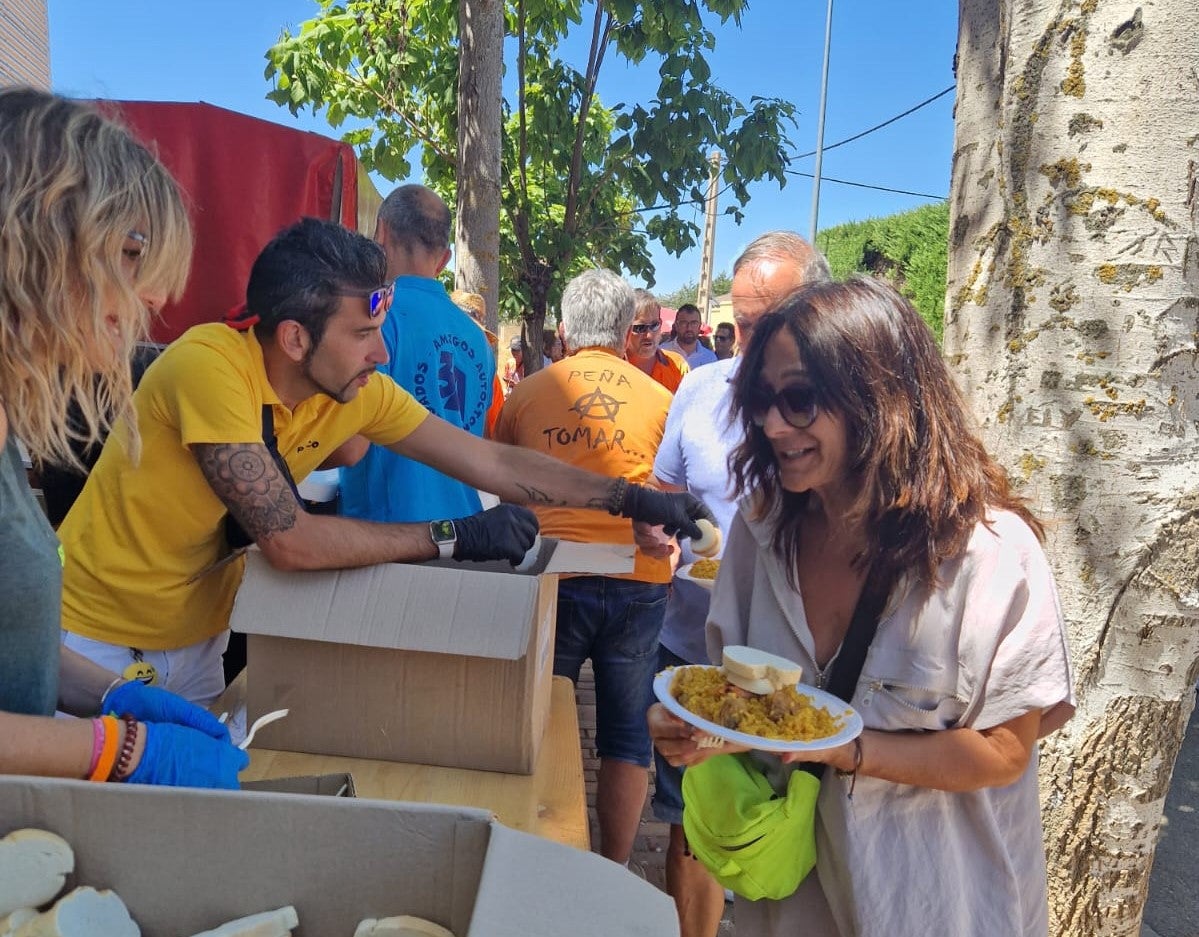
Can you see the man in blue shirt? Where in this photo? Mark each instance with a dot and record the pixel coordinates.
(437, 354)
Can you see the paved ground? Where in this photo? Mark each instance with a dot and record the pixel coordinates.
(649, 850)
(1173, 906)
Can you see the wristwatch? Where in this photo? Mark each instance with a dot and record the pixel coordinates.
(445, 537)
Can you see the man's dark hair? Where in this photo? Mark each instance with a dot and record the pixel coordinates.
(727, 326)
(301, 274)
(417, 218)
(690, 308)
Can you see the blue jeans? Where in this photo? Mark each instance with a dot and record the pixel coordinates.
(668, 780)
(616, 623)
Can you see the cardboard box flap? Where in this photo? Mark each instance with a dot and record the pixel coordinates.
(559, 557)
(325, 785)
(186, 860)
(598, 559)
(393, 606)
(522, 871)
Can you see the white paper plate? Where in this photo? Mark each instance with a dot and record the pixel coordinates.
(684, 572)
(851, 722)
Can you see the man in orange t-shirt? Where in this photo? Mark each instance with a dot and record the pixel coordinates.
(595, 410)
(641, 346)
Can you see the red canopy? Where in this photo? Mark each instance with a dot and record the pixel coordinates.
(245, 179)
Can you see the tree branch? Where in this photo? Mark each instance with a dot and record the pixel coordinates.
(521, 55)
(595, 58)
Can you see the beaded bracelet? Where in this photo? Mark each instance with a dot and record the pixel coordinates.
(616, 496)
(108, 753)
(121, 771)
(97, 747)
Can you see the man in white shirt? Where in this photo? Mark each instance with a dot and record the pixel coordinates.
(686, 337)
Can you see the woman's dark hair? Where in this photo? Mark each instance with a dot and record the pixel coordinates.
(922, 476)
(301, 274)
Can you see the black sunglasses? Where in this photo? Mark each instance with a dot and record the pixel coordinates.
(640, 328)
(797, 404)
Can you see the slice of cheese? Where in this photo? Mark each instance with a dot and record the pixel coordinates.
(403, 926)
(277, 923)
(759, 672)
(83, 912)
(34, 865)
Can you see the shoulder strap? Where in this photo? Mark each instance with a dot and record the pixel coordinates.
(847, 668)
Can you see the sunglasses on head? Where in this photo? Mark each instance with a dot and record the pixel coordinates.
(797, 404)
(640, 328)
(141, 240)
(377, 301)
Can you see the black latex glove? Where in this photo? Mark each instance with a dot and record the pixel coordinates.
(504, 532)
(675, 512)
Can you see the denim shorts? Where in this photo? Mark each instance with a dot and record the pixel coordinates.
(668, 780)
(616, 623)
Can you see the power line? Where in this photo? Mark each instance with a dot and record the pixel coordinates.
(858, 136)
(831, 146)
(864, 185)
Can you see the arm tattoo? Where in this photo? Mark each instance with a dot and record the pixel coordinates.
(250, 485)
(537, 496)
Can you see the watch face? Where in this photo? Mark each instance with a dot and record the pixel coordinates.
(442, 531)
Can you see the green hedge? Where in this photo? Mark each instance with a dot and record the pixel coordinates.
(909, 249)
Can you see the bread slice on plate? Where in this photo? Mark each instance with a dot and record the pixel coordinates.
(759, 672)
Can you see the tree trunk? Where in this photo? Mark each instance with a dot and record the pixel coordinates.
(480, 72)
(1071, 319)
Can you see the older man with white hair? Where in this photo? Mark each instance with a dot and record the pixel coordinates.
(596, 410)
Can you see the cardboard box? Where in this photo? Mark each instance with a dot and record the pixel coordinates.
(434, 663)
(188, 860)
(322, 785)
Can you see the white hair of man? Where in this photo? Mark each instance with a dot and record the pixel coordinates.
(597, 310)
(789, 247)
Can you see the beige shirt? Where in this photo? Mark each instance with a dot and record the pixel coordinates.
(986, 646)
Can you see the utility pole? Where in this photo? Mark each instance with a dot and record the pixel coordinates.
(704, 296)
(828, 42)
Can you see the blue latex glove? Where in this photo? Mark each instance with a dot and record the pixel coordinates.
(182, 757)
(150, 704)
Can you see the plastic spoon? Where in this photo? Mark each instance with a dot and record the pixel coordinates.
(259, 723)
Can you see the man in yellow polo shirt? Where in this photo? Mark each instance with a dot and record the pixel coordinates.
(229, 417)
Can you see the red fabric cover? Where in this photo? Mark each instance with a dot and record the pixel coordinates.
(245, 179)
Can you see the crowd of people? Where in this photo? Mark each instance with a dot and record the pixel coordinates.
(821, 431)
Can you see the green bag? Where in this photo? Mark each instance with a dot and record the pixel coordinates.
(753, 841)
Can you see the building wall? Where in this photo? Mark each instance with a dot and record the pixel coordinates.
(24, 43)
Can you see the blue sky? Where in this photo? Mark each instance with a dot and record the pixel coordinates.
(887, 55)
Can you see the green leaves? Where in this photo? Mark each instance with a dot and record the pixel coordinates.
(386, 71)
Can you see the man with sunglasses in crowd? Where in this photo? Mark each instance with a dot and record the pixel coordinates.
(724, 341)
(641, 347)
(435, 352)
(231, 418)
(693, 457)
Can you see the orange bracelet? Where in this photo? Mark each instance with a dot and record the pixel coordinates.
(108, 754)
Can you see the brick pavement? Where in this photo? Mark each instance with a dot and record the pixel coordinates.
(649, 848)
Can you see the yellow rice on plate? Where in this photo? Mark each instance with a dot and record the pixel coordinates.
(786, 714)
(705, 569)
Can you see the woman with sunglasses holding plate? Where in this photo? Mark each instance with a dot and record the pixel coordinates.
(93, 238)
(863, 462)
